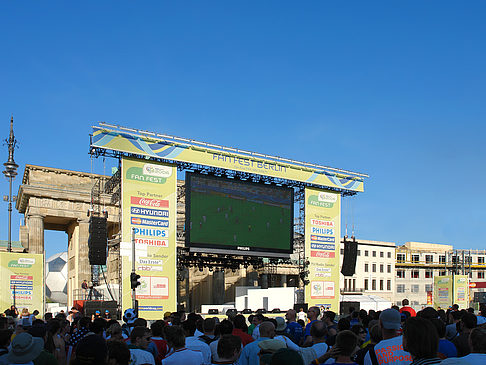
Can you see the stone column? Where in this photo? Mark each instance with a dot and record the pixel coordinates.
(218, 287)
(84, 268)
(283, 280)
(36, 233)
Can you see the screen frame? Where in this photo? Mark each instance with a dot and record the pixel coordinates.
(229, 249)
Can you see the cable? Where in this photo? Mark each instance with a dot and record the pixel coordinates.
(107, 285)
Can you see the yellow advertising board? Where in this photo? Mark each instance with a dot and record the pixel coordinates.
(149, 210)
(225, 158)
(22, 281)
(322, 237)
(443, 286)
(451, 289)
(461, 291)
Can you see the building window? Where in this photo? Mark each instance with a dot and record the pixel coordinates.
(429, 274)
(480, 259)
(429, 259)
(428, 287)
(468, 260)
(401, 274)
(359, 253)
(415, 258)
(401, 288)
(366, 284)
(388, 268)
(388, 285)
(374, 253)
(442, 259)
(400, 257)
(442, 273)
(366, 268)
(415, 274)
(373, 268)
(388, 254)
(480, 274)
(366, 252)
(455, 259)
(414, 288)
(381, 267)
(381, 253)
(373, 284)
(381, 285)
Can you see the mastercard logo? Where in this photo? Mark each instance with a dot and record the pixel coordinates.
(136, 221)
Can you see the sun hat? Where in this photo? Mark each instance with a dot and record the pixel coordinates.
(281, 325)
(390, 319)
(271, 345)
(25, 348)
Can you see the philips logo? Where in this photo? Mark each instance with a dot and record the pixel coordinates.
(243, 248)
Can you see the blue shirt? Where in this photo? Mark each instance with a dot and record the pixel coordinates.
(294, 331)
(447, 348)
(307, 328)
(249, 355)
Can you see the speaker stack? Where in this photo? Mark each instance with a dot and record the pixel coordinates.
(349, 258)
(97, 240)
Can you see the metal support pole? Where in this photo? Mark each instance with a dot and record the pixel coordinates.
(134, 291)
(10, 216)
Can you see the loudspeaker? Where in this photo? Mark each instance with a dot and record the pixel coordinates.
(261, 310)
(276, 310)
(97, 240)
(231, 312)
(480, 297)
(344, 307)
(91, 306)
(304, 306)
(246, 311)
(349, 258)
(213, 311)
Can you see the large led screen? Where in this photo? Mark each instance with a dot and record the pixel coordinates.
(229, 215)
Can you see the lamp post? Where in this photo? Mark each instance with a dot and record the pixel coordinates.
(10, 173)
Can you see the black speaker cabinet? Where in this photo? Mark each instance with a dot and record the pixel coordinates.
(97, 241)
(349, 258)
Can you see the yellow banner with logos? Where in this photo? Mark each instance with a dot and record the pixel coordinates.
(149, 209)
(322, 237)
(22, 281)
(451, 289)
(231, 159)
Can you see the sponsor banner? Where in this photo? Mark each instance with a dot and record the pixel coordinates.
(150, 222)
(150, 212)
(323, 246)
(118, 140)
(313, 237)
(451, 289)
(322, 228)
(461, 291)
(149, 193)
(22, 276)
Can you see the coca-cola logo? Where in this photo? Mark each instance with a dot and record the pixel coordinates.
(146, 202)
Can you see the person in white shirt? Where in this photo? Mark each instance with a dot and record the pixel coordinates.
(390, 350)
(318, 333)
(180, 354)
(139, 341)
(225, 328)
(257, 321)
(194, 343)
(229, 349)
(477, 339)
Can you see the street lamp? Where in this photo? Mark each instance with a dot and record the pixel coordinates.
(10, 173)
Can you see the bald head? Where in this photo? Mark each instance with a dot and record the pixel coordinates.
(267, 329)
(290, 315)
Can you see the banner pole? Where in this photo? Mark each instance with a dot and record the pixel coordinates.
(134, 295)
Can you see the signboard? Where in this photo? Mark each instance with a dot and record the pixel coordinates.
(149, 208)
(322, 232)
(22, 281)
(225, 158)
(451, 289)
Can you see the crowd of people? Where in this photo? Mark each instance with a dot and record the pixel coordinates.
(394, 336)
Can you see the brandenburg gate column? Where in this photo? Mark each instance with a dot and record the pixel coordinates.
(84, 268)
(36, 233)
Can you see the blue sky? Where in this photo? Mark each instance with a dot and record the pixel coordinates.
(392, 89)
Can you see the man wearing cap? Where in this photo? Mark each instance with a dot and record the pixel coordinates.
(25, 349)
(390, 349)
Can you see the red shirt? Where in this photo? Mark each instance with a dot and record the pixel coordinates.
(409, 310)
(162, 348)
(245, 337)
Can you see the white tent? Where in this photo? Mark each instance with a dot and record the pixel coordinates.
(368, 302)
